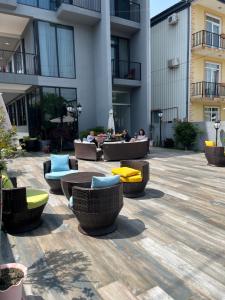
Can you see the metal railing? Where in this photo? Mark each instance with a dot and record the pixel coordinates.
(126, 69)
(94, 5)
(206, 89)
(44, 4)
(207, 38)
(132, 12)
(18, 62)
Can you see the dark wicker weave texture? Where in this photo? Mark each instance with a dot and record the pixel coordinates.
(17, 218)
(87, 151)
(215, 156)
(97, 209)
(120, 151)
(55, 185)
(136, 189)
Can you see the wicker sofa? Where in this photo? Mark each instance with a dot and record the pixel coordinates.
(215, 156)
(136, 189)
(97, 209)
(19, 215)
(87, 151)
(121, 151)
(55, 184)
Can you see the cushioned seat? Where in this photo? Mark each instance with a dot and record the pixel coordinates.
(59, 174)
(36, 198)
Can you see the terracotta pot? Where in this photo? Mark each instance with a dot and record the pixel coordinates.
(14, 292)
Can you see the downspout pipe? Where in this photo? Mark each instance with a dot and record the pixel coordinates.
(188, 61)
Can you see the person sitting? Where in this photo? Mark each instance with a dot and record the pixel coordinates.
(91, 138)
(126, 135)
(141, 135)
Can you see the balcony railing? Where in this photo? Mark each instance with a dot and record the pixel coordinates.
(132, 12)
(209, 39)
(44, 4)
(18, 62)
(94, 5)
(126, 69)
(206, 89)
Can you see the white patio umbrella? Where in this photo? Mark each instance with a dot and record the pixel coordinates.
(7, 124)
(111, 123)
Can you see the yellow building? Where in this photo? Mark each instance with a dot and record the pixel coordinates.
(188, 62)
(207, 66)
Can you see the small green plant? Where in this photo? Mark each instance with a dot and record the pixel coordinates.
(97, 130)
(186, 134)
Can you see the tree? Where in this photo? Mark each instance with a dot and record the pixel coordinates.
(186, 134)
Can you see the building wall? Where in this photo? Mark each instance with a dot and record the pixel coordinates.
(198, 61)
(169, 86)
(140, 52)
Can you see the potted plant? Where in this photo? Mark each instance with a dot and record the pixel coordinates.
(11, 275)
(11, 281)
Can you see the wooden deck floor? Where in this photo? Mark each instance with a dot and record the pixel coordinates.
(169, 244)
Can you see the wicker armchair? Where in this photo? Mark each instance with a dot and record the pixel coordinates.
(136, 189)
(55, 184)
(97, 209)
(215, 156)
(16, 216)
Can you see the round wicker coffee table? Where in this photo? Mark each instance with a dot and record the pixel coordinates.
(82, 179)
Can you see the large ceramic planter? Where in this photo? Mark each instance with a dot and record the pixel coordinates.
(14, 292)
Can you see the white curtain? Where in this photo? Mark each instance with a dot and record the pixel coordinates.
(65, 52)
(48, 53)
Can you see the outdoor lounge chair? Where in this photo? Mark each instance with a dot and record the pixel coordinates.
(22, 208)
(87, 151)
(136, 189)
(97, 209)
(53, 178)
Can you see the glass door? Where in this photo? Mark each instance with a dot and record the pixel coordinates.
(212, 74)
(212, 32)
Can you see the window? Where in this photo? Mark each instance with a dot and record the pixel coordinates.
(211, 114)
(212, 31)
(56, 46)
(17, 112)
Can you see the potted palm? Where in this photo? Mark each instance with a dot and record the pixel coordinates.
(11, 275)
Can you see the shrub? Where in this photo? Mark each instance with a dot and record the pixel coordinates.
(97, 130)
(186, 134)
(169, 143)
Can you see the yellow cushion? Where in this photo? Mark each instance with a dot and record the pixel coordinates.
(125, 172)
(135, 178)
(210, 143)
(6, 182)
(36, 198)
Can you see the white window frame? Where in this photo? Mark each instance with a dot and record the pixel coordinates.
(215, 17)
(213, 63)
(211, 107)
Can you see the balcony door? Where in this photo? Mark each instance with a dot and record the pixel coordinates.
(213, 31)
(212, 78)
(120, 55)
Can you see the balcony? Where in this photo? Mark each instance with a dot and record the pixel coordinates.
(48, 4)
(206, 43)
(17, 67)
(80, 11)
(126, 73)
(208, 91)
(127, 19)
(8, 4)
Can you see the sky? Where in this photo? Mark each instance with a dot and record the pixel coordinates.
(158, 6)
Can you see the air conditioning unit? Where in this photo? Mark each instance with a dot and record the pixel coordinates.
(173, 19)
(173, 63)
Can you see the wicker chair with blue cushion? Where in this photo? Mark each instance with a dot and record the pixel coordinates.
(97, 207)
(57, 167)
(22, 208)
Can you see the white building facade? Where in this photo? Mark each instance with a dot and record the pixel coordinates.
(58, 53)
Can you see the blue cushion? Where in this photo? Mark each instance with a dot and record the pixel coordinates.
(59, 175)
(99, 182)
(59, 163)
